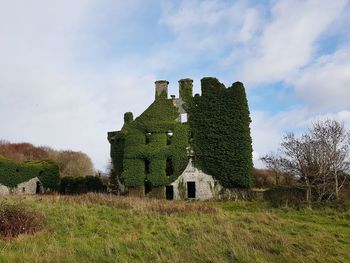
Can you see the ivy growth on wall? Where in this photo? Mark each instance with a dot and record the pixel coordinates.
(146, 140)
(13, 173)
(219, 122)
(218, 126)
(186, 91)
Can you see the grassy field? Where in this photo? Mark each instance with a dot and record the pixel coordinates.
(97, 228)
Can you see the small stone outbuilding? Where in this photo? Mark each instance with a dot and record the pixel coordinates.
(32, 186)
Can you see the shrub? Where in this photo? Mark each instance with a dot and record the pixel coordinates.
(16, 220)
(81, 185)
(286, 196)
(341, 205)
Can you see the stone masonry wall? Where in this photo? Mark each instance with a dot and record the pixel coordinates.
(4, 190)
(28, 187)
(206, 186)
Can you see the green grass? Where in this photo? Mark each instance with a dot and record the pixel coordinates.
(96, 228)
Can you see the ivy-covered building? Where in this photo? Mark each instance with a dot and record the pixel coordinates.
(186, 147)
(30, 177)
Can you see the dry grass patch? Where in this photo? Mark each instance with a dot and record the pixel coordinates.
(138, 205)
(15, 219)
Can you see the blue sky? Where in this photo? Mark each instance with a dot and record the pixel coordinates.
(70, 69)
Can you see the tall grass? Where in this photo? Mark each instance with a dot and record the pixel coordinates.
(102, 228)
(140, 205)
(15, 219)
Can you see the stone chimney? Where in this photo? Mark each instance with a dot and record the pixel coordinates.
(162, 88)
(186, 89)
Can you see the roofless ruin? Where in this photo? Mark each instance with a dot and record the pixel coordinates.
(186, 147)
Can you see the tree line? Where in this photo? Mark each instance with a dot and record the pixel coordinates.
(70, 163)
(319, 159)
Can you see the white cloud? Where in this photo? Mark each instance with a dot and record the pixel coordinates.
(325, 84)
(48, 96)
(268, 129)
(288, 42)
(211, 25)
(62, 85)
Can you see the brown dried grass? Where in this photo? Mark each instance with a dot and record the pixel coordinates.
(139, 205)
(15, 219)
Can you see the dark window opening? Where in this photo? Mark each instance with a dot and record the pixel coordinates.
(147, 166)
(23, 190)
(169, 137)
(148, 187)
(191, 189)
(38, 188)
(148, 137)
(169, 167)
(169, 192)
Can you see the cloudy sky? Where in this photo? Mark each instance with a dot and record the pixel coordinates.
(70, 69)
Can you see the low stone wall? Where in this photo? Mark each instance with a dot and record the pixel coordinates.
(236, 194)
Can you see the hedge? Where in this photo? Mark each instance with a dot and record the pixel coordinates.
(285, 196)
(81, 185)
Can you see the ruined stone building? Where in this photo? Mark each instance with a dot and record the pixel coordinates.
(162, 152)
(29, 177)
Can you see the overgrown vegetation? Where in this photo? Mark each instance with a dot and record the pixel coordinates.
(219, 123)
(16, 219)
(13, 173)
(101, 228)
(70, 163)
(218, 128)
(319, 159)
(81, 185)
(286, 196)
(186, 92)
(145, 141)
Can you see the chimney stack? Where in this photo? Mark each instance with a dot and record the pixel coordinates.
(186, 89)
(162, 88)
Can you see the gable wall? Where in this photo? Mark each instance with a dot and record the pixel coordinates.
(205, 183)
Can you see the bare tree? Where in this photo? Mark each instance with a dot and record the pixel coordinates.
(333, 140)
(319, 158)
(3, 142)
